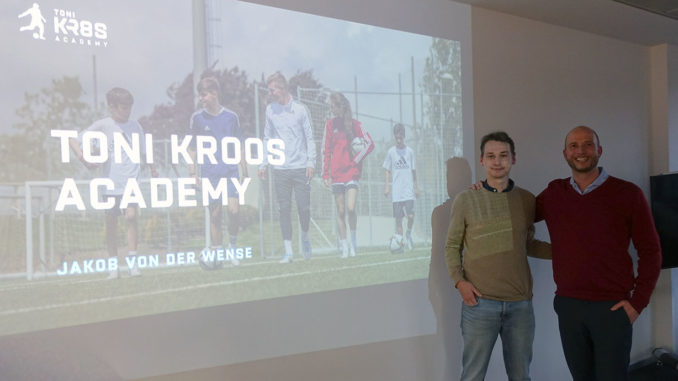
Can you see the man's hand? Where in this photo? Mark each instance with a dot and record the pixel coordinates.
(309, 172)
(327, 182)
(628, 308)
(386, 191)
(477, 186)
(468, 292)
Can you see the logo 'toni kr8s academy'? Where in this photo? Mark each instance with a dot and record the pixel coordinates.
(66, 27)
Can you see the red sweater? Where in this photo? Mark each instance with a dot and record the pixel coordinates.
(338, 162)
(590, 237)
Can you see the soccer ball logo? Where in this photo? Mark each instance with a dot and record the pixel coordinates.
(396, 244)
(37, 22)
(357, 145)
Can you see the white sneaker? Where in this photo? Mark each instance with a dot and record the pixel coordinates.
(344, 252)
(113, 274)
(286, 259)
(351, 251)
(234, 261)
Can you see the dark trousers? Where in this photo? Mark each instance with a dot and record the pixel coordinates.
(596, 341)
(286, 182)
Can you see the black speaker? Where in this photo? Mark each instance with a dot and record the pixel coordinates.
(663, 366)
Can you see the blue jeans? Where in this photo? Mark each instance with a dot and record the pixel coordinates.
(480, 326)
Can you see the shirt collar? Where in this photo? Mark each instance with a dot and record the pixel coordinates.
(602, 176)
(491, 189)
(288, 106)
(221, 109)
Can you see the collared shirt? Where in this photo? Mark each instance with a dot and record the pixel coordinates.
(509, 187)
(602, 176)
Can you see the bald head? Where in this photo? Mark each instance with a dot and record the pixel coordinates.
(582, 151)
(582, 129)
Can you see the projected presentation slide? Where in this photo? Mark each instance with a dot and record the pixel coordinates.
(153, 161)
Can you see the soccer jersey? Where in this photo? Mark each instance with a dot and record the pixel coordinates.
(126, 168)
(400, 162)
(224, 124)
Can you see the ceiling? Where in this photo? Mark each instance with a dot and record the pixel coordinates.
(606, 17)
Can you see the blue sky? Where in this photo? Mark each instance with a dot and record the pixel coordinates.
(263, 39)
(151, 47)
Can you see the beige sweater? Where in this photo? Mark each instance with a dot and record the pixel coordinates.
(493, 233)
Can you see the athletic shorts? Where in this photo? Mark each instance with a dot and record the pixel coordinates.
(232, 191)
(402, 208)
(340, 188)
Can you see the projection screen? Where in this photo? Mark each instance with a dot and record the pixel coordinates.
(106, 215)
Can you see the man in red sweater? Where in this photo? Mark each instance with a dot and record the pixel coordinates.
(592, 217)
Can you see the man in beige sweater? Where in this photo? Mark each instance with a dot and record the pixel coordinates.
(491, 233)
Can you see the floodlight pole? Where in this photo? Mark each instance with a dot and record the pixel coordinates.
(199, 42)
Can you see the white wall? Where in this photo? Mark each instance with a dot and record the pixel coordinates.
(672, 109)
(664, 159)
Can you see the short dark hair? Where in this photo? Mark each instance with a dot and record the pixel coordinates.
(278, 79)
(119, 96)
(399, 127)
(497, 136)
(209, 84)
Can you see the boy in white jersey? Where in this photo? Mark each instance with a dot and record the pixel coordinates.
(401, 183)
(120, 103)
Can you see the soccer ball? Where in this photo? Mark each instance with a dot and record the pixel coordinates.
(209, 264)
(396, 244)
(357, 144)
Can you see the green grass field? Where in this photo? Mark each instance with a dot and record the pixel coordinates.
(53, 302)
